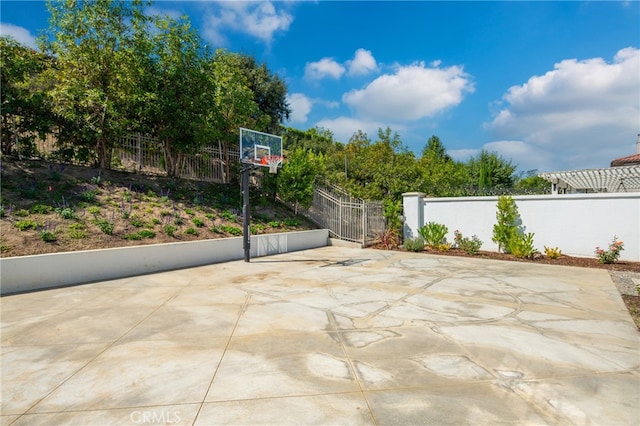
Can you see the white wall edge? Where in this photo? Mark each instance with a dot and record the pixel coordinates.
(27, 273)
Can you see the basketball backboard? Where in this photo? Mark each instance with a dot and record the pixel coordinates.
(260, 149)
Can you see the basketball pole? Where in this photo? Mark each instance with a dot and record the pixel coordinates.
(246, 214)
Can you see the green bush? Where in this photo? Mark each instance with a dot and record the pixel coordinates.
(414, 244)
(47, 236)
(170, 230)
(21, 213)
(612, 254)
(469, 246)
(66, 213)
(230, 229)
(552, 253)
(191, 231)
(433, 234)
(26, 224)
(145, 233)
(521, 245)
(105, 225)
(256, 228)
(198, 222)
(507, 218)
(40, 209)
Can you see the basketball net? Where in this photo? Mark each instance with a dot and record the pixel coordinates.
(273, 161)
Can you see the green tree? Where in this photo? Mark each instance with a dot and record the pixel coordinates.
(92, 42)
(490, 170)
(439, 174)
(24, 108)
(507, 225)
(297, 176)
(530, 182)
(177, 90)
(269, 93)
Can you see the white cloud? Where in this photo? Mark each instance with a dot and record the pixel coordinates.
(22, 35)
(344, 127)
(363, 63)
(411, 93)
(300, 107)
(585, 112)
(325, 67)
(260, 19)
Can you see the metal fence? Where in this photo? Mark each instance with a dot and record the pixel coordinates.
(346, 217)
(145, 154)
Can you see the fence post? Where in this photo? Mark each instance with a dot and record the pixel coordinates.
(364, 223)
(413, 207)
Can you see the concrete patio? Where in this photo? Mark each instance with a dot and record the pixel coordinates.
(333, 335)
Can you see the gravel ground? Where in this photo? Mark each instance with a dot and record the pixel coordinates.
(627, 282)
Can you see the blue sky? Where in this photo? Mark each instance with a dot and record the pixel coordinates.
(549, 85)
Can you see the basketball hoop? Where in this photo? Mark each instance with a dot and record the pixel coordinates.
(273, 161)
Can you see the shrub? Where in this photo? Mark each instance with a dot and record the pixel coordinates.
(521, 245)
(106, 226)
(198, 222)
(507, 222)
(444, 247)
(552, 253)
(170, 230)
(40, 209)
(433, 234)
(389, 238)
(66, 213)
(136, 221)
(191, 231)
(469, 246)
(611, 255)
(291, 222)
(47, 236)
(26, 224)
(227, 215)
(414, 244)
(190, 212)
(145, 233)
(89, 196)
(256, 228)
(94, 210)
(230, 229)
(22, 213)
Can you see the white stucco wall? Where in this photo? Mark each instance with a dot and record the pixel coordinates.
(575, 223)
(25, 273)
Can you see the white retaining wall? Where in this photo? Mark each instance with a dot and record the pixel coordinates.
(575, 223)
(25, 273)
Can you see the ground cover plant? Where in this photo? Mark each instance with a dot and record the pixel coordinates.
(47, 208)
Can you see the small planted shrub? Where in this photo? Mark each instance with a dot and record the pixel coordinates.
(256, 228)
(469, 246)
(612, 254)
(291, 222)
(77, 231)
(414, 244)
(198, 222)
(105, 225)
(389, 239)
(521, 245)
(191, 231)
(66, 213)
(227, 215)
(433, 234)
(170, 230)
(22, 213)
(93, 210)
(444, 247)
(47, 236)
(40, 209)
(26, 224)
(552, 253)
(230, 229)
(190, 212)
(89, 196)
(145, 233)
(136, 221)
(507, 218)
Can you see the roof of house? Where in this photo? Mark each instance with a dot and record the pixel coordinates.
(626, 161)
